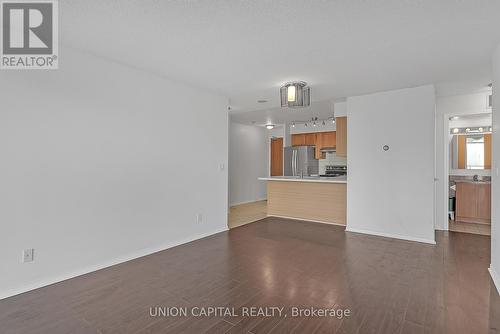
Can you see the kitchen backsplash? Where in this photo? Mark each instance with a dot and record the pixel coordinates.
(331, 159)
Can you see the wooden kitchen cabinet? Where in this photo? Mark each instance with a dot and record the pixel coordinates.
(328, 139)
(473, 202)
(299, 139)
(324, 139)
(484, 202)
(341, 136)
(310, 139)
(302, 139)
(317, 139)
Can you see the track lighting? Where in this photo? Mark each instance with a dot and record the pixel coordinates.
(315, 122)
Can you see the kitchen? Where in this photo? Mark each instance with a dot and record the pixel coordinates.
(292, 163)
(308, 179)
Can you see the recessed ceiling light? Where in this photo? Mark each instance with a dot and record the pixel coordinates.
(261, 101)
(270, 126)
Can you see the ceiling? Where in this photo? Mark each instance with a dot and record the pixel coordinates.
(277, 115)
(245, 50)
(462, 121)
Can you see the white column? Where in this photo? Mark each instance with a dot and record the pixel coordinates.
(287, 136)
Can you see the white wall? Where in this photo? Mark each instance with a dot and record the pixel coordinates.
(483, 120)
(495, 224)
(301, 128)
(391, 193)
(340, 109)
(102, 163)
(447, 106)
(248, 160)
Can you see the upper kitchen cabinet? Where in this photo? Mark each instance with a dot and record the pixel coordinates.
(341, 139)
(328, 139)
(318, 139)
(298, 140)
(310, 139)
(301, 139)
(324, 140)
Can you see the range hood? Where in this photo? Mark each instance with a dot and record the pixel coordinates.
(329, 149)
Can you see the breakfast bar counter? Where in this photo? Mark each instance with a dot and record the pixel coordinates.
(319, 199)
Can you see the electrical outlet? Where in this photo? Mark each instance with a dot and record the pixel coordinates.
(28, 255)
(199, 218)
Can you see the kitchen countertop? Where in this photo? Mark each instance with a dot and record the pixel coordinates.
(472, 181)
(338, 179)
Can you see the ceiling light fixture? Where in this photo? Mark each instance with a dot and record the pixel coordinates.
(295, 95)
(314, 119)
(293, 124)
(467, 130)
(480, 129)
(269, 126)
(455, 130)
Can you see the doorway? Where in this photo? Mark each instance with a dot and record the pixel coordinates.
(469, 177)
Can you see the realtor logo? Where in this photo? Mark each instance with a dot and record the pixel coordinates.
(29, 34)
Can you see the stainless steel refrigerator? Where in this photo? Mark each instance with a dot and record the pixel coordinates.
(299, 159)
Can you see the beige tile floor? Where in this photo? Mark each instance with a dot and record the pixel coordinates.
(469, 228)
(247, 213)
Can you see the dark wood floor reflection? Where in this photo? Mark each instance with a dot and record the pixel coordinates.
(390, 286)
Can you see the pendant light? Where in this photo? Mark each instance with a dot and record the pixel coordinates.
(295, 95)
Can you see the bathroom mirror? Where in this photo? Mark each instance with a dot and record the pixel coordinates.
(471, 151)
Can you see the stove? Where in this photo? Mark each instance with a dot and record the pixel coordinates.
(334, 171)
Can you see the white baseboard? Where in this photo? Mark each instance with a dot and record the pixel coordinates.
(390, 235)
(144, 252)
(495, 277)
(246, 202)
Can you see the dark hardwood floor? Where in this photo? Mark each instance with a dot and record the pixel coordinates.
(390, 286)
